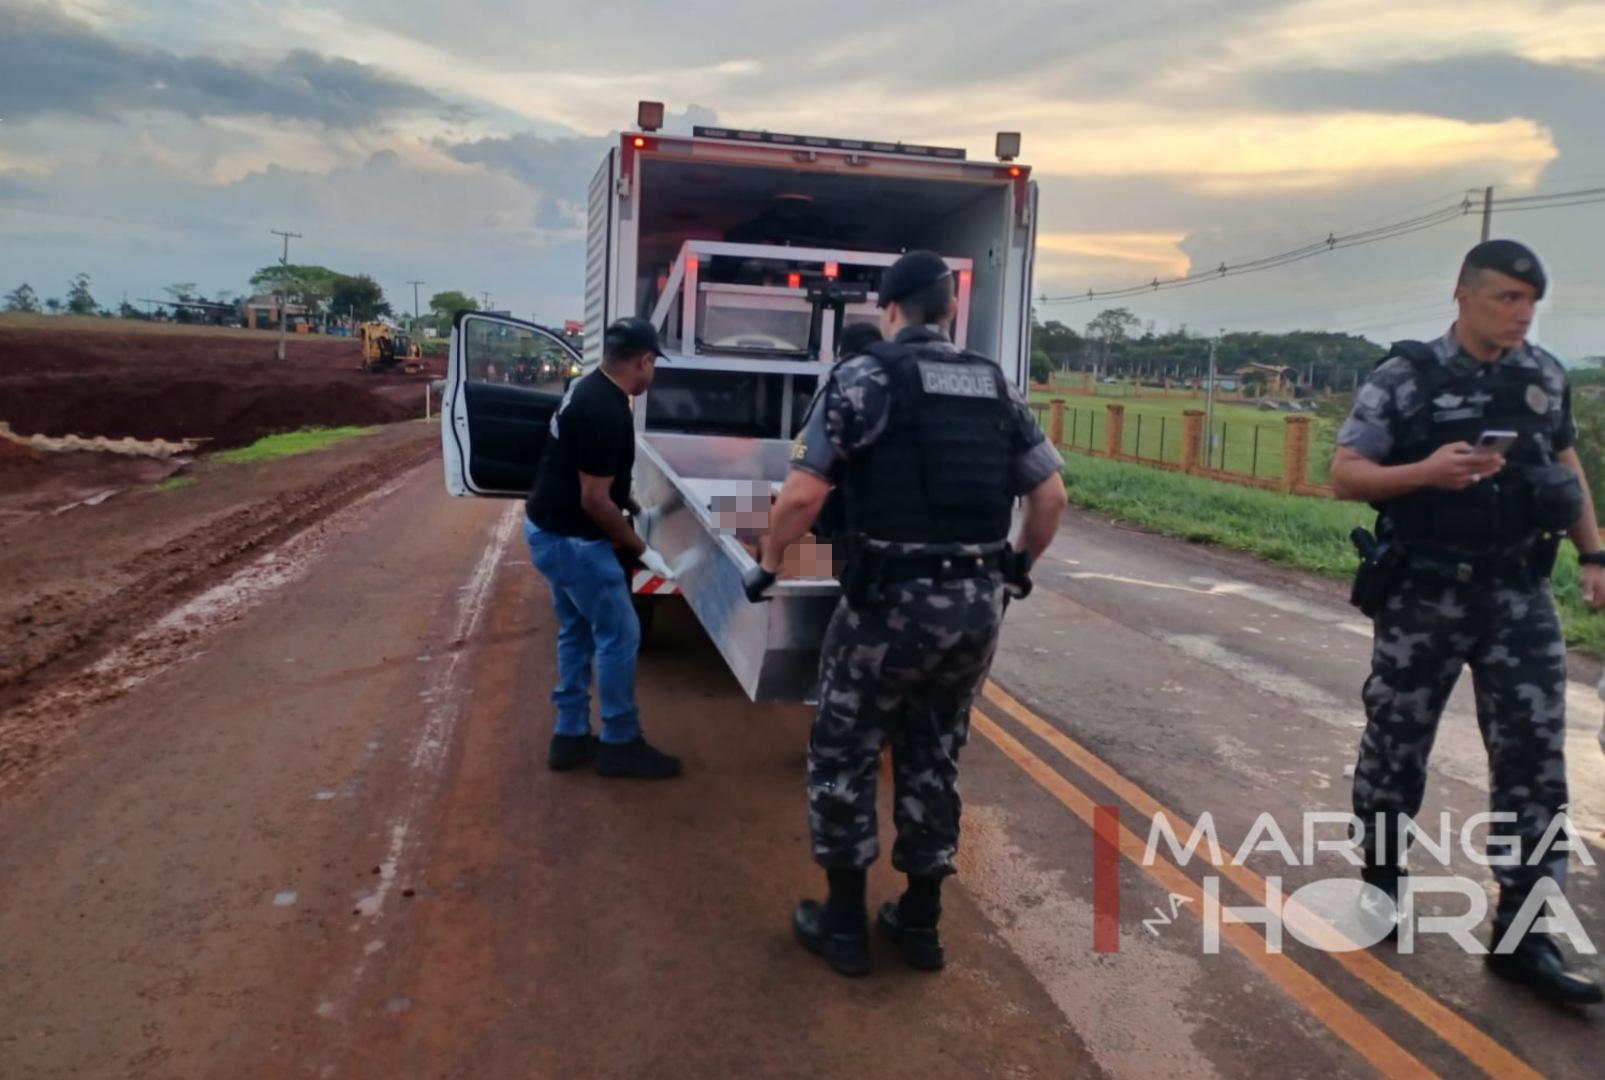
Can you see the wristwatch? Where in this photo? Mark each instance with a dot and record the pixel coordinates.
(1593, 558)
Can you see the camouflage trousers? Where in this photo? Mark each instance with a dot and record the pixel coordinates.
(1510, 637)
(903, 673)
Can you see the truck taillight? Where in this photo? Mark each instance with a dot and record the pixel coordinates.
(832, 270)
(691, 264)
(640, 144)
(793, 281)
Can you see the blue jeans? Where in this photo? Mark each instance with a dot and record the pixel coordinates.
(595, 619)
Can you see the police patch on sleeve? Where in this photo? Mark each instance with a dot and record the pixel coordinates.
(958, 380)
(1537, 399)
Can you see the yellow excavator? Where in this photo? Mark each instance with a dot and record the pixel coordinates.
(385, 349)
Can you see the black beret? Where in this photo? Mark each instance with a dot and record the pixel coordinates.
(1511, 259)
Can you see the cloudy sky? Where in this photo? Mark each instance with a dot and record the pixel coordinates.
(154, 141)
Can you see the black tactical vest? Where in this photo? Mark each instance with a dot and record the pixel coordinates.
(939, 474)
(1495, 514)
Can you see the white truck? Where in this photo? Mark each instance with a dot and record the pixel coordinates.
(750, 251)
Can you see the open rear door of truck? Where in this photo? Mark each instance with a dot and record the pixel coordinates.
(504, 380)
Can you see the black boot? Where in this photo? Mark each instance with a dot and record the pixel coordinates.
(838, 929)
(910, 924)
(638, 759)
(1537, 962)
(570, 751)
(1379, 913)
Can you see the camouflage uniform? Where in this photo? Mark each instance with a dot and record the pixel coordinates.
(1432, 625)
(903, 666)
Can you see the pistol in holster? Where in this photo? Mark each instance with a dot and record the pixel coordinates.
(1380, 564)
(861, 576)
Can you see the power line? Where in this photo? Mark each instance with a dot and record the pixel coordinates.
(1554, 205)
(1333, 242)
(1517, 199)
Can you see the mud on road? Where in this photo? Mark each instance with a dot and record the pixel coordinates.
(83, 583)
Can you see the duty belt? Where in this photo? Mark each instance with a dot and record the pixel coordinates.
(887, 569)
(1466, 569)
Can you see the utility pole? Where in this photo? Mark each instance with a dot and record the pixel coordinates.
(284, 265)
(486, 296)
(415, 285)
(1209, 410)
(1487, 210)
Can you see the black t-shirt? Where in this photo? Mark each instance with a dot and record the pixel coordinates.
(593, 432)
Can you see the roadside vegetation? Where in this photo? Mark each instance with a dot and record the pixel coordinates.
(290, 443)
(1303, 533)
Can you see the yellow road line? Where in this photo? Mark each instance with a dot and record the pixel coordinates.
(1364, 1037)
(1478, 1048)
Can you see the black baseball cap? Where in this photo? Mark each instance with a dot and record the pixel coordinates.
(908, 275)
(1511, 259)
(632, 336)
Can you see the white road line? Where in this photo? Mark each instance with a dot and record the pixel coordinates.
(429, 752)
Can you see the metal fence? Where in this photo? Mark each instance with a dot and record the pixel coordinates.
(1245, 448)
(1254, 450)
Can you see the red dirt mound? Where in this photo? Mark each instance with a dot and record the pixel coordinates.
(14, 455)
(203, 386)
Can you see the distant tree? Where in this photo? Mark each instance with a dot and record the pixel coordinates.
(1041, 365)
(79, 300)
(309, 286)
(23, 298)
(53, 305)
(1063, 345)
(1110, 329)
(128, 311)
(183, 291)
(1113, 325)
(446, 305)
(358, 296)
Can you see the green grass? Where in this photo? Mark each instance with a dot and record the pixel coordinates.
(173, 483)
(291, 443)
(1304, 533)
(1247, 440)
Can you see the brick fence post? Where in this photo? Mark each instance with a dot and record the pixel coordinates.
(1192, 439)
(1113, 436)
(1056, 421)
(1295, 452)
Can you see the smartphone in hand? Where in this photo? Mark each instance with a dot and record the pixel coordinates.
(1496, 442)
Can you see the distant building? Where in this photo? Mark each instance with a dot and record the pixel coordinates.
(1279, 379)
(262, 312)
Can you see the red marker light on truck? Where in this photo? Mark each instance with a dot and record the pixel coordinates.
(832, 271)
(640, 144)
(691, 264)
(793, 281)
(1014, 171)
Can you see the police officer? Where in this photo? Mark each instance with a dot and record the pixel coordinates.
(1472, 532)
(930, 445)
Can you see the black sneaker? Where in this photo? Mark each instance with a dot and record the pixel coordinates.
(636, 759)
(920, 946)
(570, 752)
(1537, 963)
(847, 952)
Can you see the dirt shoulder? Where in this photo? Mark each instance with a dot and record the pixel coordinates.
(83, 581)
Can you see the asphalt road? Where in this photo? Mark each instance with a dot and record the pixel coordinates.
(314, 837)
